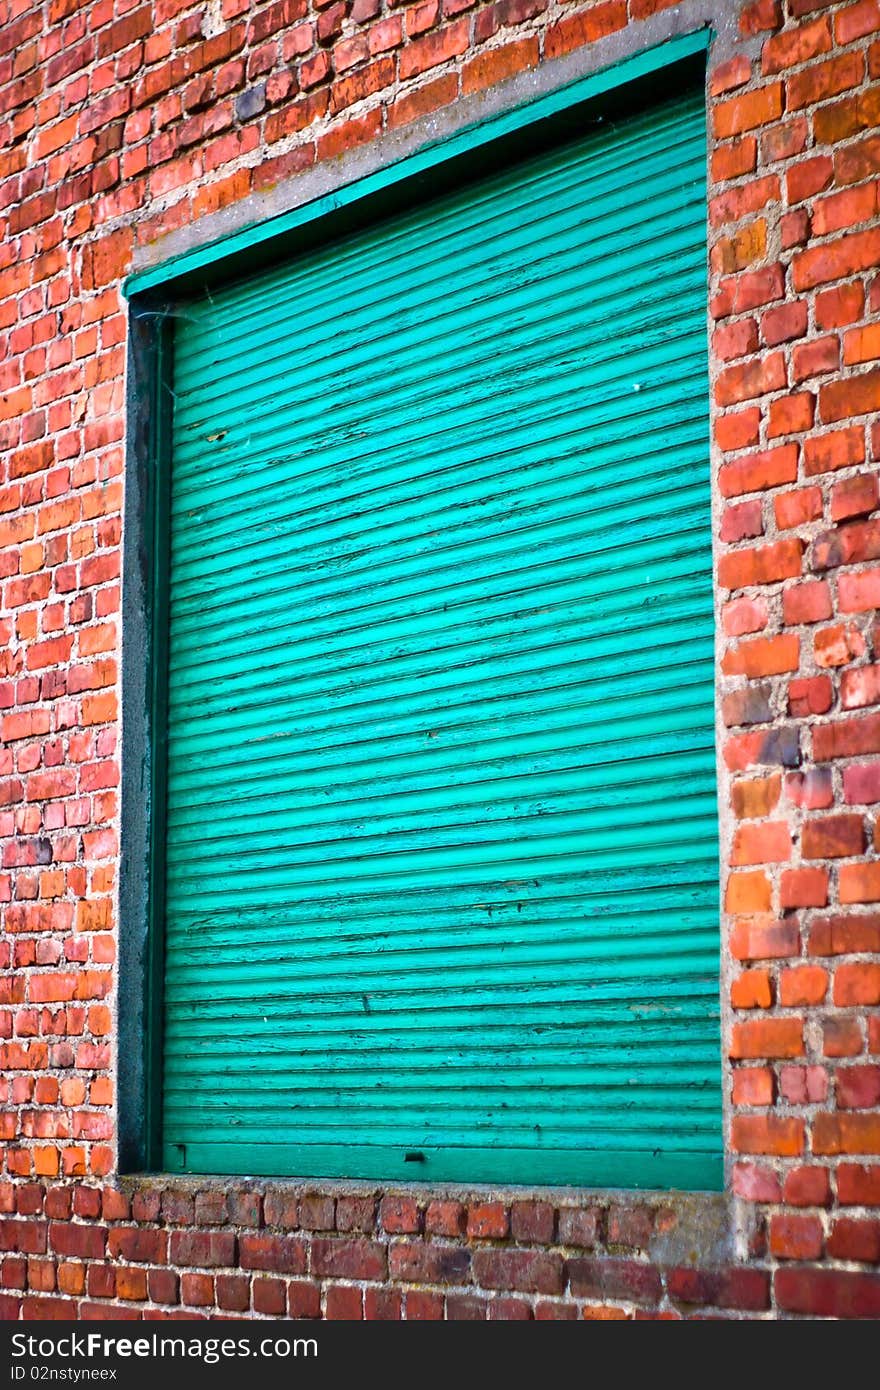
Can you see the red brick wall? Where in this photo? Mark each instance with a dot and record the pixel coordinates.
(120, 122)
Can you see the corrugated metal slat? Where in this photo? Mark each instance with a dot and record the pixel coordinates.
(442, 858)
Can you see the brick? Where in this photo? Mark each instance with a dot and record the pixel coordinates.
(762, 656)
(750, 705)
(427, 1263)
(137, 1245)
(355, 1214)
(613, 1278)
(861, 345)
(738, 339)
(753, 1086)
(795, 46)
(805, 985)
(767, 843)
(784, 141)
(277, 1254)
(861, 785)
(747, 893)
(853, 1133)
(763, 939)
(423, 1307)
(445, 1218)
(80, 1241)
(270, 1297)
(857, 593)
(496, 64)
(809, 602)
(207, 1248)
(815, 358)
(847, 738)
(859, 883)
(860, 687)
(743, 616)
(839, 449)
(768, 1037)
(738, 430)
(807, 1187)
(855, 1240)
(304, 1300)
(347, 1259)
(844, 934)
(857, 20)
(768, 1134)
(400, 1215)
(529, 1271)
(854, 395)
(856, 162)
(858, 1088)
(576, 30)
(316, 1212)
(833, 837)
(197, 1290)
(857, 984)
(858, 1184)
(425, 99)
(732, 161)
(759, 16)
(131, 1284)
(745, 1289)
(760, 471)
(767, 564)
(797, 508)
(828, 1293)
(840, 306)
(488, 1220)
(812, 695)
(27, 1237)
(465, 1308)
(811, 176)
(434, 48)
(803, 1085)
(755, 797)
(752, 990)
(579, 1227)
(382, 1305)
(233, 1293)
(796, 1237)
(838, 645)
(533, 1222)
(847, 545)
(784, 322)
(841, 1037)
(855, 497)
(792, 414)
(163, 1286)
(749, 111)
(749, 380)
(806, 887)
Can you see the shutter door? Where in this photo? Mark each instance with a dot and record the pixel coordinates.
(442, 867)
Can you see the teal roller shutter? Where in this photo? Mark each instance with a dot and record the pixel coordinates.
(442, 866)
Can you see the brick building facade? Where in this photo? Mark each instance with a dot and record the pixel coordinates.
(132, 133)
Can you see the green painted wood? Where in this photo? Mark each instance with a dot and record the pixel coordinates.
(441, 851)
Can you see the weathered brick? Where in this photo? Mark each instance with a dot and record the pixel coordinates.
(613, 1278)
(827, 1293)
(528, 1271)
(429, 1263)
(347, 1259)
(278, 1254)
